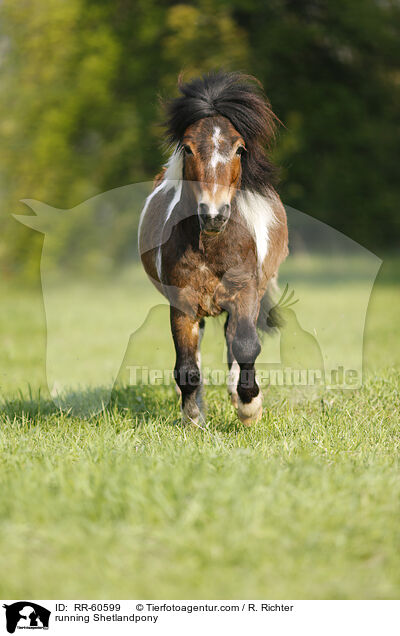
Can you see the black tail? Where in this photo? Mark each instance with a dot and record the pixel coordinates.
(271, 316)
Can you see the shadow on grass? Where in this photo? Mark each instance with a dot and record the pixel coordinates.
(139, 401)
(144, 403)
(140, 404)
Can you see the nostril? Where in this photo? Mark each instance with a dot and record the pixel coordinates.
(224, 209)
(203, 210)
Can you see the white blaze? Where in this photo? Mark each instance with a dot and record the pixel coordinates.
(216, 156)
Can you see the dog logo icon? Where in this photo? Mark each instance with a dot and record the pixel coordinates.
(26, 615)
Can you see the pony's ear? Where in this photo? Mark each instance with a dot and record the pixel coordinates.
(44, 219)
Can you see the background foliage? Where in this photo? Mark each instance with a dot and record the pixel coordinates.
(80, 82)
(305, 503)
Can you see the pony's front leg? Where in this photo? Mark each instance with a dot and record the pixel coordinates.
(185, 332)
(246, 347)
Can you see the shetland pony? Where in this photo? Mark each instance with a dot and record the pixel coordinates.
(213, 232)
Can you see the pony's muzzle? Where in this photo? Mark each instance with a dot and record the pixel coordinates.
(213, 223)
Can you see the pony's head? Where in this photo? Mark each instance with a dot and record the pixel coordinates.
(212, 155)
(220, 125)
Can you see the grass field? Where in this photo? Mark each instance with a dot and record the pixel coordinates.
(128, 504)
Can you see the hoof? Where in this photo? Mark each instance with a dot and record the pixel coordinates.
(250, 412)
(190, 419)
(191, 414)
(198, 421)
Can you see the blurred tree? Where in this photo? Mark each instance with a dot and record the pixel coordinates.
(80, 82)
(55, 81)
(332, 70)
(202, 38)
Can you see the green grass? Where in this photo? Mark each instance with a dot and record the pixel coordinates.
(305, 504)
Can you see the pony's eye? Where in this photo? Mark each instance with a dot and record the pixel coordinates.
(240, 150)
(187, 149)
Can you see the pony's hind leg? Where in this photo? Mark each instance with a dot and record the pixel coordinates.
(186, 334)
(234, 369)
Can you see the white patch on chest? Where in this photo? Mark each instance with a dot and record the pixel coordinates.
(258, 216)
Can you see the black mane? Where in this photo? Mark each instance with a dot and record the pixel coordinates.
(240, 99)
